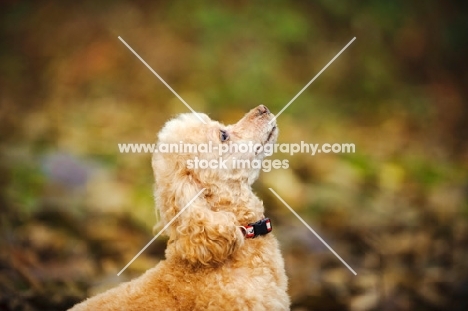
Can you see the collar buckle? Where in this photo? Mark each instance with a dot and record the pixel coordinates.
(261, 227)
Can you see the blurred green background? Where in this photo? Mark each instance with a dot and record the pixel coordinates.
(74, 211)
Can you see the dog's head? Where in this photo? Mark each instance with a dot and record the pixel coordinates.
(215, 152)
(193, 155)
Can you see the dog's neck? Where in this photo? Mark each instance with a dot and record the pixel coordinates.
(238, 198)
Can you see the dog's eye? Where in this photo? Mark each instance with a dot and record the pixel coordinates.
(223, 135)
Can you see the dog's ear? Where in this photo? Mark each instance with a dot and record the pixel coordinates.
(199, 234)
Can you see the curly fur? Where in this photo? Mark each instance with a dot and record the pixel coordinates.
(209, 265)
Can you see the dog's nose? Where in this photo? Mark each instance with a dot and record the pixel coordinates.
(263, 109)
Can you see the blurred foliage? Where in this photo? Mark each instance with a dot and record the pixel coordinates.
(74, 210)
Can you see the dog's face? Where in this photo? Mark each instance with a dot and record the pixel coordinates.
(215, 152)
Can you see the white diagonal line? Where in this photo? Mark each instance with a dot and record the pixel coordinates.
(162, 230)
(162, 80)
(310, 82)
(312, 230)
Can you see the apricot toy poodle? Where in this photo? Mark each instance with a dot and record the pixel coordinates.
(221, 254)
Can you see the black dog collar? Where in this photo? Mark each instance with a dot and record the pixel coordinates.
(261, 227)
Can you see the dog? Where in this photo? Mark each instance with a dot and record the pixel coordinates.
(221, 254)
